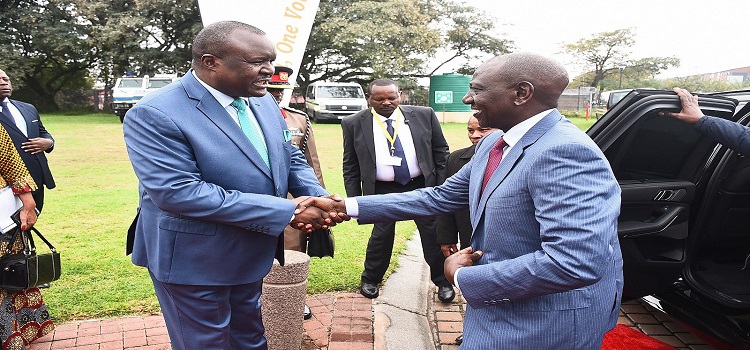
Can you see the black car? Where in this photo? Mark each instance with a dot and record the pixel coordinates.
(684, 225)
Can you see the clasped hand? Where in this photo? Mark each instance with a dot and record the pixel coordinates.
(313, 213)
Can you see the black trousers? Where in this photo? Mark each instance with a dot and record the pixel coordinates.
(380, 245)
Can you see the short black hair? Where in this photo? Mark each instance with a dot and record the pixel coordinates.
(214, 38)
(381, 82)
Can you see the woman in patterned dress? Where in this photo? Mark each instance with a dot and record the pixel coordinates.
(23, 315)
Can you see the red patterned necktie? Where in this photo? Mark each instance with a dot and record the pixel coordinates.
(496, 154)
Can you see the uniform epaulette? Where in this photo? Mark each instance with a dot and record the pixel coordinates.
(295, 110)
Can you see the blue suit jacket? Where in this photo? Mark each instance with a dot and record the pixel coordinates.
(551, 273)
(211, 211)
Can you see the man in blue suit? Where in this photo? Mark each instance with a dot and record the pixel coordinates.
(215, 162)
(544, 269)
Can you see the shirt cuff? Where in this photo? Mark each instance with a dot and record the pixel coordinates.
(352, 207)
(455, 278)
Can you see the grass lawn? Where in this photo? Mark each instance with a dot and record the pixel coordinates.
(87, 216)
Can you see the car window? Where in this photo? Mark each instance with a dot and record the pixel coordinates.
(339, 92)
(157, 83)
(615, 97)
(131, 83)
(658, 148)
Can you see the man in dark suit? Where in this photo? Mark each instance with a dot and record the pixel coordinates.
(32, 140)
(389, 149)
(215, 162)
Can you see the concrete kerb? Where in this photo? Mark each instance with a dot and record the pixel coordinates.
(401, 320)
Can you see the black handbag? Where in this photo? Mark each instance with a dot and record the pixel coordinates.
(320, 243)
(28, 269)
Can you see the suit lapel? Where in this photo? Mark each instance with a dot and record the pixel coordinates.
(418, 131)
(9, 123)
(365, 123)
(27, 117)
(268, 114)
(211, 108)
(509, 161)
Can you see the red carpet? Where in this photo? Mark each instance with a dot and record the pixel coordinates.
(626, 338)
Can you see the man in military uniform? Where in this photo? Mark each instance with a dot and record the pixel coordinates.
(296, 120)
(302, 137)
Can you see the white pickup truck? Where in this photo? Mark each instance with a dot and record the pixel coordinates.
(128, 90)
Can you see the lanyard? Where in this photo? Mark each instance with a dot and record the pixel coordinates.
(391, 139)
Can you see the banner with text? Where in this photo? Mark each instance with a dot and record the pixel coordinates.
(287, 22)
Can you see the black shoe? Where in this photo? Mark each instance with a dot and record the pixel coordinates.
(446, 294)
(460, 339)
(369, 290)
(307, 314)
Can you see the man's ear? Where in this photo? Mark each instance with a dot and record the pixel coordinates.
(524, 91)
(209, 61)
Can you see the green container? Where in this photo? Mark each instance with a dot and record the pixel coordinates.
(446, 85)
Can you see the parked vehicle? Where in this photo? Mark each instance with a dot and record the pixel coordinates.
(684, 225)
(128, 90)
(610, 98)
(333, 101)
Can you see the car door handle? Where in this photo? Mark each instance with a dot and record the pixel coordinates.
(670, 195)
(652, 225)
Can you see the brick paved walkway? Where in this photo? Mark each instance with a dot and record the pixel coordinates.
(447, 323)
(341, 321)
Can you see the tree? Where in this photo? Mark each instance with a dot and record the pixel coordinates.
(603, 54)
(607, 58)
(696, 84)
(49, 49)
(356, 40)
(468, 36)
(63, 45)
(362, 40)
(640, 73)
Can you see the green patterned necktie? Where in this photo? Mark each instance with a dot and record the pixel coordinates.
(250, 130)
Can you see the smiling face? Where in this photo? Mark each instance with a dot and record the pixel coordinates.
(384, 99)
(6, 89)
(491, 97)
(244, 68)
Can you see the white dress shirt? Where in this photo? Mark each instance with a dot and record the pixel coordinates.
(17, 117)
(226, 102)
(382, 151)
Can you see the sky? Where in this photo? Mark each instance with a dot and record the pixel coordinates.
(706, 35)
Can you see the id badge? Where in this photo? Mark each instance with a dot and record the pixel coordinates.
(393, 161)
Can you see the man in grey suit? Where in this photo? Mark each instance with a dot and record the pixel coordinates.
(31, 138)
(215, 162)
(389, 149)
(544, 269)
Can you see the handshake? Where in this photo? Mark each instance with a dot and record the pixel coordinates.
(313, 213)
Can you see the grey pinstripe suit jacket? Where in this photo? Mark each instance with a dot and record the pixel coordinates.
(551, 273)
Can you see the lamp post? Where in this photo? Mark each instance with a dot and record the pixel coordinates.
(621, 67)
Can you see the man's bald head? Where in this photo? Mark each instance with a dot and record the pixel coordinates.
(548, 77)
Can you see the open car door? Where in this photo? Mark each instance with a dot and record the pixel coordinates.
(663, 167)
